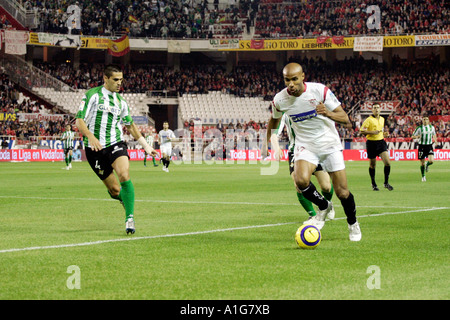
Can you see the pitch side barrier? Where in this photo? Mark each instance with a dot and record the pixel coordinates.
(253, 156)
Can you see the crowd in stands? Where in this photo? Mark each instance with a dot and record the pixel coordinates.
(151, 18)
(422, 86)
(254, 81)
(277, 18)
(271, 18)
(28, 130)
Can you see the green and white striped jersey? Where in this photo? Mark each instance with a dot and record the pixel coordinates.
(67, 139)
(102, 111)
(425, 134)
(286, 121)
(150, 140)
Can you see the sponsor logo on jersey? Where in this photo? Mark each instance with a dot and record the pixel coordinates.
(112, 109)
(303, 116)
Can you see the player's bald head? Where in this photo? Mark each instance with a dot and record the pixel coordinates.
(293, 78)
(292, 69)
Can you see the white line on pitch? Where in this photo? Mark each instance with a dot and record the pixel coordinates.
(192, 202)
(196, 232)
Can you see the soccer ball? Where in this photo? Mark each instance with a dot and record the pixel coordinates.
(308, 236)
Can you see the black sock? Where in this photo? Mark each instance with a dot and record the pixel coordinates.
(372, 175)
(315, 197)
(167, 163)
(164, 161)
(349, 208)
(387, 170)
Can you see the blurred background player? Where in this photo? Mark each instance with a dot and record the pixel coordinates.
(99, 121)
(67, 139)
(373, 127)
(323, 178)
(166, 136)
(150, 140)
(426, 135)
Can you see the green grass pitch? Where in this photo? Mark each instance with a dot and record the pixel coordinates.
(218, 232)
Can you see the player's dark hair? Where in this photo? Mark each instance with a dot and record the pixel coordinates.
(110, 69)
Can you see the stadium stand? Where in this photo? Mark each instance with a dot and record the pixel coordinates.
(217, 106)
(245, 93)
(241, 95)
(282, 19)
(266, 18)
(152, 19)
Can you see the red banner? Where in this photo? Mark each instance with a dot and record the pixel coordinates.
(396, 155)
(322, 39)
(257, 44)
(349, 155)
(338, 39)
(249, 155)
(31, 155)
(138, 155)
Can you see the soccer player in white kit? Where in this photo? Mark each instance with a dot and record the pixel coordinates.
(323, 178)
(166, 136)
(314, 109)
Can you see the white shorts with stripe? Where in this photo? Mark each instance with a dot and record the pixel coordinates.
(331, 162)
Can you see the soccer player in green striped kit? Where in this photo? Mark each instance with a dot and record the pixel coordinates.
(426, 135)
(67, 139)
(99, 121)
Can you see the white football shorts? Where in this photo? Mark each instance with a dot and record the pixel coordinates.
(166, 149)
(331, 162)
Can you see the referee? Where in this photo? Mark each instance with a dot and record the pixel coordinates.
(372, 127)
(426, 135)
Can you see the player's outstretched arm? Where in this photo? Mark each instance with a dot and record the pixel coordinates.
(134, 130)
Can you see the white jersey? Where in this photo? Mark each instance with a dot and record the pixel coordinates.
(314, 132)
(164, 136)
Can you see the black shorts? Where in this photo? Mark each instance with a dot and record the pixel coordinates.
(291, 163)
(425, 150)
(101, 161)
(66, 150)
(375, 148)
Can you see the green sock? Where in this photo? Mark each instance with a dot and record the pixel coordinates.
(154, 163)
(428, 163)
(145, 160)
(66, 160)
(70, 159)
(127, 196)
(422, 170)
(306, 204)
(328, 195)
